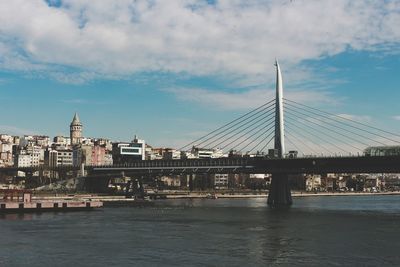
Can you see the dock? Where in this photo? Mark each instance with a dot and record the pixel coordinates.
(20, 201)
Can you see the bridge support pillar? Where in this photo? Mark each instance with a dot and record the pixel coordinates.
(279, 192)
(191, 186)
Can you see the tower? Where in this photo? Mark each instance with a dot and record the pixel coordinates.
(75, 130)
(279, 194)
(279, 126)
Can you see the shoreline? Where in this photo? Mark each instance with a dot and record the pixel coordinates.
(294, 194)
(205, 195)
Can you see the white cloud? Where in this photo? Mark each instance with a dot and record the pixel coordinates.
(9, 129)
(238, 37)
(396, 117)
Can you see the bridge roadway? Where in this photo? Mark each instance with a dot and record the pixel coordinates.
(365, 164)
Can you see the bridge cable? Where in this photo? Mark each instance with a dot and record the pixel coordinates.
(258, 137)
(295, 146)
(320, 138)
(339, 133)
(324, 133)
(228, 124)
(290, 107)
(253, 117)
(353, 121)
(235, 129)
(269, 126)
(246, 133)
(222, 130)
(300, 141)
(271, 135)
(262, 149)
(305, 137)
(231, 134)
(268, 117)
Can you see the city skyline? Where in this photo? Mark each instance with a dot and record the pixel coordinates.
(170, 81)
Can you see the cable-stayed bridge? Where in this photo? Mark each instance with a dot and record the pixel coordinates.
(280, 137)
(257, 142)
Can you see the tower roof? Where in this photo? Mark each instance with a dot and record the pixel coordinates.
(75, 120)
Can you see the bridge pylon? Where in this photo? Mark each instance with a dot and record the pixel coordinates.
(279, 192)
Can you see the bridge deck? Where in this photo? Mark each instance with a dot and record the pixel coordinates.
(365, 164)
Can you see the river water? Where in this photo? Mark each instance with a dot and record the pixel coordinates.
(315, 231)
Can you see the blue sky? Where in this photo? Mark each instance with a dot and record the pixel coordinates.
(170, 71)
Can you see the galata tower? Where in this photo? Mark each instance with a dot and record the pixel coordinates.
(75, 130)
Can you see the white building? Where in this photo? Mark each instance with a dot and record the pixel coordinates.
(23, 160)
(187, 155)
(6, 138)
(207, 153)
(62, 157)
(37, 154)
(313, 182)
(221, 181)
(152, 154)
(129, 152)
(62, 141)
(172, 154)
(108, 159)
(27, 140)
(6, 147)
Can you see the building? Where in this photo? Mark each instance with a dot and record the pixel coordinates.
(382, 151)
(313, 182)
(6, 147)
(75, 130)
(23, 160)
(82, 154)
(108, 159)
(37, 154)
(27, 140)
(171, 181)
(129, 152)
(90, 155)
(187, 155)
(42, 140)
(329, 182)
(5, 138)
(221, 181)
(61, 157)
(170, 153)
(62, 141)
(207, 153)
(6, 159)
(35, 140)
(98, 155)
(153, 153)
(103, 142)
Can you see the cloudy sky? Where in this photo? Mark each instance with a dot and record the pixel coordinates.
(172, 70)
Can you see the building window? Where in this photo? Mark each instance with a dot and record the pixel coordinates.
(129, 150)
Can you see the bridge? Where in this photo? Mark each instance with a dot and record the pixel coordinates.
(318, 142)
(344, 143)
(382, 164)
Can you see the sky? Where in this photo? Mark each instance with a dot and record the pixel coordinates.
(170, 71)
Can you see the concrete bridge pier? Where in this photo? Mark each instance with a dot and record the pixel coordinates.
(279, 193)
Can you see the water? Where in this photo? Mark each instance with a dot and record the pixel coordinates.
(316, 231)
